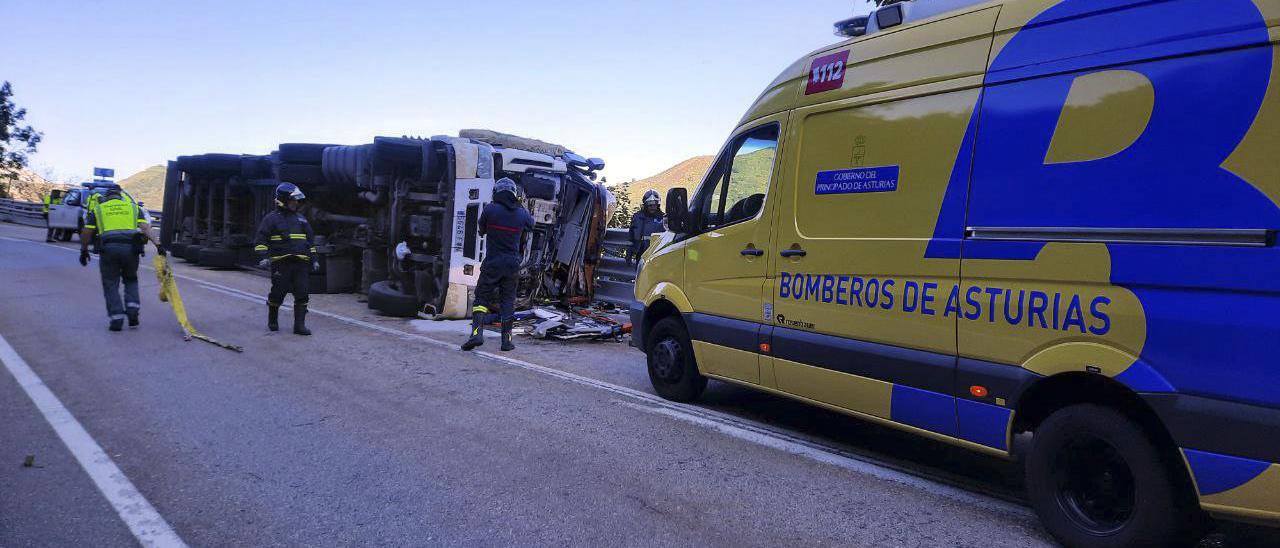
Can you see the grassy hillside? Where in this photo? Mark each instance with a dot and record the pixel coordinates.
(686, 174)
(147, 186)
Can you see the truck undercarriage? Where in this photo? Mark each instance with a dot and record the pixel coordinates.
(397, 218)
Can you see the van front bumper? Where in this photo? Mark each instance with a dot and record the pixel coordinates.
(637, 325)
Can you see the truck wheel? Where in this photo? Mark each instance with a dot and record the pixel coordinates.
(192, 253)
(673, 371)
(218, 257)
(302, 174)
(302, 153)
(390, 301)
(1096, 480)
(177, 249)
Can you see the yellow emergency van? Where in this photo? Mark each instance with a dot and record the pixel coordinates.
(975, 219)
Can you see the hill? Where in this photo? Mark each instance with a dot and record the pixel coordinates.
(686, 174)
(26, 187)
(147, 186)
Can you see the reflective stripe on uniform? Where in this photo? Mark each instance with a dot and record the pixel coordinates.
(259, 248)
(481, 309)
(277, 238)
(297, 236)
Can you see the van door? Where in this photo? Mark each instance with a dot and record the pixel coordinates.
(727, 259)
(866, 279)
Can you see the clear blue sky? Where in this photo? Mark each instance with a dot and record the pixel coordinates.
(642, 84)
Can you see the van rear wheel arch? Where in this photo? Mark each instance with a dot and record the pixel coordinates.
(1070, 391)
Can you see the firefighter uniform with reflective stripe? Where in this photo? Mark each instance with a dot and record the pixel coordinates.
(286, 239)
(116, 219)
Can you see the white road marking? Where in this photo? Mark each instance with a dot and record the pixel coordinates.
(730, 425)
(719, 422)
(143, 520)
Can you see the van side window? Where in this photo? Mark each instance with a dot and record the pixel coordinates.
(735, 192)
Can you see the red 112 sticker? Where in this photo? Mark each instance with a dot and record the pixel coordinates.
(827, 73)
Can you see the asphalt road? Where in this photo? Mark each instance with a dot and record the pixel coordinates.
(377, 431)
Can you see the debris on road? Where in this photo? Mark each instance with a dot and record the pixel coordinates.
(574, 323)
(29, 462)
(169, 294)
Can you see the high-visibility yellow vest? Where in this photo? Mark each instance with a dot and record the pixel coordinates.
(116, 216)
(44, 208)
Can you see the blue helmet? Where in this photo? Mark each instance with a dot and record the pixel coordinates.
(505, 185)
(288, 191)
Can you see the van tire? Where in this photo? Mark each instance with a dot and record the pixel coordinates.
(673, 369)
(1142, 501)
(388, 300)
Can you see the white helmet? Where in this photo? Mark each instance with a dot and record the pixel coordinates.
(651, 197)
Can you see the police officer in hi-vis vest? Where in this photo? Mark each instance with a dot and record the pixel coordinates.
(284, 242)
(503, 224)
(123, 230)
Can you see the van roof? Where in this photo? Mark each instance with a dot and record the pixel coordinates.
(785, 90)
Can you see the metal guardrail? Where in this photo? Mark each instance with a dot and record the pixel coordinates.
(29, 213)
(615, 279)
(24, 213)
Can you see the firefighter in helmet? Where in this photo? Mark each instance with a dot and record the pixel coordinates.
(286, 244)
(502, 224)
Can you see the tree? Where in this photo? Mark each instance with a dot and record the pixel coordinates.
(622, 213)
(16, 141)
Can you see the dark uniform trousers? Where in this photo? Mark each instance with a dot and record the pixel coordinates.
(118, 261)
(496, 288)
(290, 275)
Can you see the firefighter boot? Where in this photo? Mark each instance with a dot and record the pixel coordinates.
(273, 317)
(506, 336)
(477, 331)
(300, 320)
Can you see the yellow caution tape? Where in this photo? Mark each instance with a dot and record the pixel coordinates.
(169, 294)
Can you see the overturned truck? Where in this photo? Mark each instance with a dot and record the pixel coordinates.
(397, 218)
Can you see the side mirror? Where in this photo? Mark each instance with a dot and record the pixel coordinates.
(595, 164)
(678, 210)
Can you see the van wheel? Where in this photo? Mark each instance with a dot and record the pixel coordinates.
(672, 367)
(1097, 480)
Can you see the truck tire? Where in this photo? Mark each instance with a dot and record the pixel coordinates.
(1096, 479)
(216, 163)
(673, 370)
(255, 167)
(218, 257)
(177, 249)
(302, 153)
(306, 176)
(192, 253)
(390, 301)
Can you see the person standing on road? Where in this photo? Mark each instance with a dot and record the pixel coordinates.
(644, 223)
(54, 197)
(502, 224)
(285, 244)
(124, 230)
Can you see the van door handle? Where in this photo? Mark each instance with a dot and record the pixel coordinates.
(752, 252)
(793, 253)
